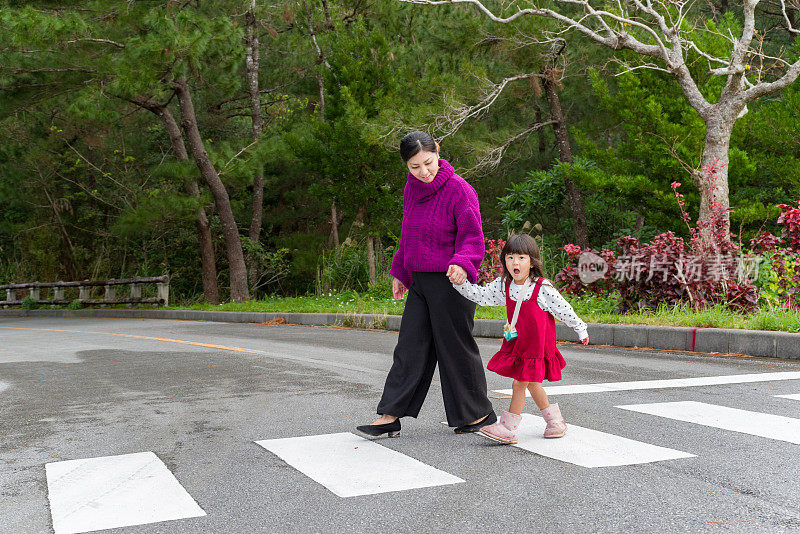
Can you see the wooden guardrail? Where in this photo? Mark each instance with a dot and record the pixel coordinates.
(109, 296)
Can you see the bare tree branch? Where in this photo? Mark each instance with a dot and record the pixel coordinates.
(328, 22)
(785, 14)
(662, 30)
(321, 58)
(494, 157)
(31, 71)
(767, 88)
(741, 48)
(90, 40)
(455, 118)
(313, 34)
(617, 39)
(101, 171)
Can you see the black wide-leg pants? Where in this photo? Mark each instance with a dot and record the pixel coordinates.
(436, 327)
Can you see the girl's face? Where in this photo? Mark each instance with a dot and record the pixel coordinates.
(424, 166)
(519, 265)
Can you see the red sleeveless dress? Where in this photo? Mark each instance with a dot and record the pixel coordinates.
(532, 356)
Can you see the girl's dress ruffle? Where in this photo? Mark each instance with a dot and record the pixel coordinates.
(527, 369)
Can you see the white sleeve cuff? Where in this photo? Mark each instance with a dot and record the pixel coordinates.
(583, 333)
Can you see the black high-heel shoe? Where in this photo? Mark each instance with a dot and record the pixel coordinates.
(393, 429)
(474, 427)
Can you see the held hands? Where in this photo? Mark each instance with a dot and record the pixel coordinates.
(456, 274)
(398, 289)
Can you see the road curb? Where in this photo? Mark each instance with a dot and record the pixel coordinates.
(760, 343)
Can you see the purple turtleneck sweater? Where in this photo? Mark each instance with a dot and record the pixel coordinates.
(441, 226)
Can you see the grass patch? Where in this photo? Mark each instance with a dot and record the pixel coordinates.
(717, 317)
(348, 302)
(590, 309)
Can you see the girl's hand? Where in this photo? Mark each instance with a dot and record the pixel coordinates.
(585, 341)
(456, 274)
(398, 289)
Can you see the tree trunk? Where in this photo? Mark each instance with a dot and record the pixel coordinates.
(371, 259)
(207, 257)
(252, 61)
(712, 178)
(542, 136)
(639, 221)
(580, 227)
(207, 260)
(321, 84)
(333, 240)
(380, 254)
(328, 21)
(233, 245)
(358, 222)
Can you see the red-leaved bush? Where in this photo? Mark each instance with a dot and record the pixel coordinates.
(569, 276)
(492, 264)
(703, 272)
(707, 270)
(650, 273)
(790, 219)
(765, 242)
(784, 263)
(720, 282)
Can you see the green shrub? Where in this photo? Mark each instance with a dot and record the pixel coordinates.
(348, 269)
(345, 268)
(302, 262)
(272, 265)
(75, 305)
(29, 303)
(382, 289)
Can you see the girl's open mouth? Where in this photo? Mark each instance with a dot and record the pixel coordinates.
(516, 271)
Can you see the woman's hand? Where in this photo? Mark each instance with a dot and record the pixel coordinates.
(398, 289)
(456, 274)
(585, 341)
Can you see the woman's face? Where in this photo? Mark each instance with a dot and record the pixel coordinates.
(424, 166)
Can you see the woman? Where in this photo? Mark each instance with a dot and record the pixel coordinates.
(441, 237)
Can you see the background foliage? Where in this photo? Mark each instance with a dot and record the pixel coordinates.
(91, 188)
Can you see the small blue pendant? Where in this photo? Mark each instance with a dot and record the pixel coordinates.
(509, 335)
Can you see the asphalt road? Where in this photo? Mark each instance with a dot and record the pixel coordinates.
(199, 395)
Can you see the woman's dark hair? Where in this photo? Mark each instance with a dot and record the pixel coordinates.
(415, 142)
(522, 244)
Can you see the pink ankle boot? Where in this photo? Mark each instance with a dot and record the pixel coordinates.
(556, 427)
(505, 429)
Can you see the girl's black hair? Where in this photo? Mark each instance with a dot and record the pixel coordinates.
(522, 244)
(415, 142)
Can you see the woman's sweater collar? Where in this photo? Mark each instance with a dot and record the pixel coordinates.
(421, 190)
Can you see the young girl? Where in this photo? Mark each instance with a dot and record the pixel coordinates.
(529, 353)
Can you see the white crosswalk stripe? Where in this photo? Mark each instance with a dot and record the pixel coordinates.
(589, 448)
(661, 384)
(115, 491)
(135, 489)
(349, 465)
(755, 423)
